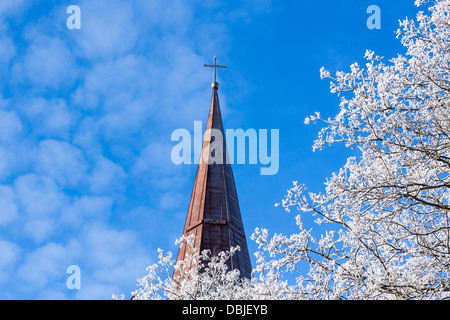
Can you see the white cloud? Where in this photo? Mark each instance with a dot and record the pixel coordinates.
(10, 7)
(170, 17)
(155, 158)
(87, 137)
(154, 166)
(61, 161)
(106, 177)
(9, 210)
(112, 259)
(39, 196)
(49, 118)
(249, 9)
(106, 245)
(40, 201)
(43, 266)
(10, 254)
(114, 83)
(7, 49)
(84, 209)
(47, 63)
(108, 29)
(10, 126)
(170, 200)
(109, 260)
(39, 228)
(6, 159)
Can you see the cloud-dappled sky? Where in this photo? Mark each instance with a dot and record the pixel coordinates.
(86, 118)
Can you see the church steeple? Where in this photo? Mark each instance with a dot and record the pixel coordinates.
(214, 216)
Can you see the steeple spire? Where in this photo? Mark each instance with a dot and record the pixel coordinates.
(214, 216)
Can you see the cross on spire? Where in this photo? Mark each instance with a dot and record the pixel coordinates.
(215, 66)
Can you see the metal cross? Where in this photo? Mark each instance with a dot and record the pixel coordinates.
(215, 66)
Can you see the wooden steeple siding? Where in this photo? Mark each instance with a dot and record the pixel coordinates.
(214, 216)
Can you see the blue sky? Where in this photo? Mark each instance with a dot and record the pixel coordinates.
(86, 118)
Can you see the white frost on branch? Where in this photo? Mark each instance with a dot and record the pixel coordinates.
(205, 277)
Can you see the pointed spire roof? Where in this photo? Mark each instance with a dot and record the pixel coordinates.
(214, 216)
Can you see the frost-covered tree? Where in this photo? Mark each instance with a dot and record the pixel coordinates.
(388, 210)
(385, 215)
(204, 277)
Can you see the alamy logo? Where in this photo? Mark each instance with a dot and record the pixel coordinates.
(258, 145)
(374, 20)
(74, 20)
(74, 280)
